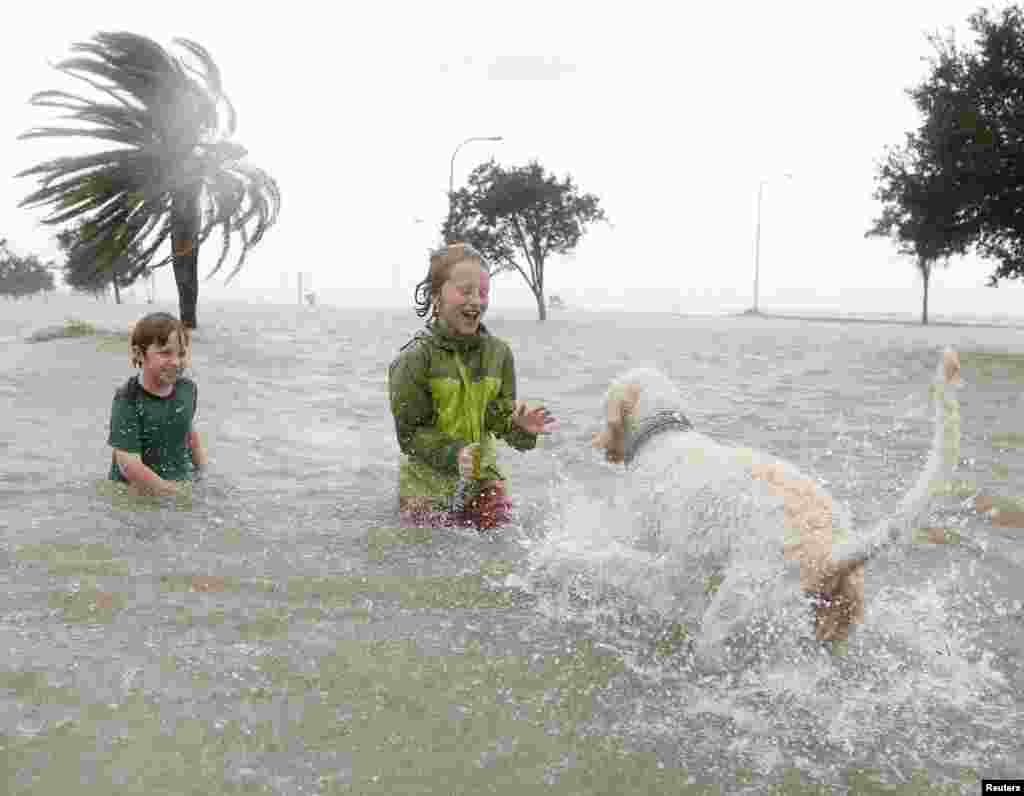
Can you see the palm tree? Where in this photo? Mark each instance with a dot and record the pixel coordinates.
(176, 173)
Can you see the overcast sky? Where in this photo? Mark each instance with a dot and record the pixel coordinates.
(670, 117)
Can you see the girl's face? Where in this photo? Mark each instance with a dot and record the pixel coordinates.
(464, 295)
(160, 363)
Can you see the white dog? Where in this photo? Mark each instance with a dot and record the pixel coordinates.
(734, 530)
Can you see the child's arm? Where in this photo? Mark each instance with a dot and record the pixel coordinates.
(500, 411)
(193, 440)
(141, 476)
(413, 409)
(195, 444)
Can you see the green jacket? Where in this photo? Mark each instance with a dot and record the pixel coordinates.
(446, 392)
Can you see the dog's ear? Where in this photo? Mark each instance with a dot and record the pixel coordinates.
(623, 403)
(632, 398)
(616, 412)
(951, 366)
(615, 433)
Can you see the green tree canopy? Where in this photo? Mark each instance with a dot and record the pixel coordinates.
(92, 276)
(920, 211)
(173, 175)
(22, 276)
(972, 140)
(519, 217)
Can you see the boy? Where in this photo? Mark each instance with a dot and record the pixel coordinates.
(154, 444)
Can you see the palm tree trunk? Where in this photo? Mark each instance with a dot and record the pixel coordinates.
(185, 251)
(117, 291)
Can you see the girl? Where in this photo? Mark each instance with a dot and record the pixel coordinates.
(453, 391)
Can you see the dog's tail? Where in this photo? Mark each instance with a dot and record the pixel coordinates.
(942, 460)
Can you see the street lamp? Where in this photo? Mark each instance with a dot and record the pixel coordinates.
(451, 172)
(757, 239)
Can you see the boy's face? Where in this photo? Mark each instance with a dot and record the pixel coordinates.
(161, 363)
(464, 297)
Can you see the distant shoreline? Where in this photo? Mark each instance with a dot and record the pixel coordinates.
(23, 317)
(883, 319)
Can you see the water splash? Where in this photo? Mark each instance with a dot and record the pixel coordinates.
(915, 688)
(606, 558)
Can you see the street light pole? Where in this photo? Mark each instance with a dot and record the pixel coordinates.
(757, 240)
(757, 244)
(451, 172)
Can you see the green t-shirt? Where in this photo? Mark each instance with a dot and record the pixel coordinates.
(155, 427)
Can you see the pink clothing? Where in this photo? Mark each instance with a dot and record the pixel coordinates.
(489, 509)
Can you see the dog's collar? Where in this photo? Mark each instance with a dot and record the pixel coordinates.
(651, 426)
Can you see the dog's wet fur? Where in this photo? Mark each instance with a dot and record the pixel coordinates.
(778, 519)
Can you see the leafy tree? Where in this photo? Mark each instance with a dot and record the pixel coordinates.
(920, 211)
(972, 104)
(22, 276)
(89, 276)
(175, 174)
(516, 213)
(81, 283)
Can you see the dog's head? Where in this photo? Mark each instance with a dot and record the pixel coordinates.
(630, 397)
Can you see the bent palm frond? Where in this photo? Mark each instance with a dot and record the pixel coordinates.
(170, 121)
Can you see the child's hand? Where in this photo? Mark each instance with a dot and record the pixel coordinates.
(468, 458)
(535, 421)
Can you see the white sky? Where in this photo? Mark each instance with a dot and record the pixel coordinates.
(670, 117)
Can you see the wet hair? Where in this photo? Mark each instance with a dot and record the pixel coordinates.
(441, 263)
(156, 328)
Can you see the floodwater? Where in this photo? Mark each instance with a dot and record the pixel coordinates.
(277, 632)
